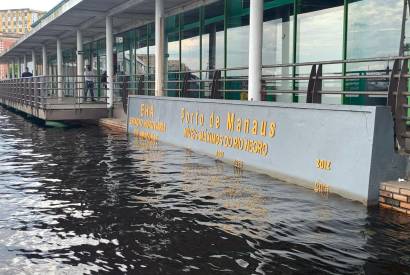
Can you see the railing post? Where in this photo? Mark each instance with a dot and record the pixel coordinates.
(46, 91)
(215, 94)
(317, 87)
(141, 85)
(393, 85)
(32, 91)
(311, 85)
(124, 93)
(24, 92)
(400, 121)
(36, 93)
(185, 85)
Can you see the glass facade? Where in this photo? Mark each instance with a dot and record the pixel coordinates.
(216, 36)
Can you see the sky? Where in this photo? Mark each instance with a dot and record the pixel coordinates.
(43, 5)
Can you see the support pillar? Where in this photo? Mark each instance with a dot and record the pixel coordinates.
(60, 70)
(13, 67)
(159, 47)
(45, 63)
(110, 62)
(80, 65)
(18, 67)
(255, 50)
(25, 62)
(34, 61)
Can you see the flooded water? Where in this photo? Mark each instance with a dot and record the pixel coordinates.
(86, 200)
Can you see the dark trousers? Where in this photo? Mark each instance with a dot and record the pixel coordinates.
(89, 87)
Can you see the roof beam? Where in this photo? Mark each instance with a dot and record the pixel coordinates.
(139, 16)
(124, 6)
(43, 37)
(88, 13)
(61, 27)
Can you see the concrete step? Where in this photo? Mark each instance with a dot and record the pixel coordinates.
(114, 124)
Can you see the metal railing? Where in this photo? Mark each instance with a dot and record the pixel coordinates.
(370, 81)
(42, 92)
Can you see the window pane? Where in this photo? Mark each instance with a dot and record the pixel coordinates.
(213, 43)
(190, 51)
(374, 29)
(237, 50)
(141, 51)
(277, 49)
(320, 38)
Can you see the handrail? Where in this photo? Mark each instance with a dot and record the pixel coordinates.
(311, 80)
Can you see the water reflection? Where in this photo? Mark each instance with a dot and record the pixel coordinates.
(88, 200)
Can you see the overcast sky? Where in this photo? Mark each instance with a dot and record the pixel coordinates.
(43, 5)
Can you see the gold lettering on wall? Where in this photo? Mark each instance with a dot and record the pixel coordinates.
(321, 188)
(220, 154)
(238, 164)
(324, 164)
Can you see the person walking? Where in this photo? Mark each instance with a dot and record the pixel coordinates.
(89, 83)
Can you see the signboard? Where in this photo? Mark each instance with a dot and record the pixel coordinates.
(328, 148)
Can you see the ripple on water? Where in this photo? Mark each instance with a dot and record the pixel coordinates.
(86, 200)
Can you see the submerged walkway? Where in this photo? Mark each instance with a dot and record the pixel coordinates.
(110, 204)
(59, 109)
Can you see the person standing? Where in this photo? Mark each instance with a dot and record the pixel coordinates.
(104, 80)
(89, 83)
(27, 73)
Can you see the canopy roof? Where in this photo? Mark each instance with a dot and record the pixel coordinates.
(88, 16)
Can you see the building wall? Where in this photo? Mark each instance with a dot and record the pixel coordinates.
(6, 42)
(216, 36)
(14, 24)
(18, 20)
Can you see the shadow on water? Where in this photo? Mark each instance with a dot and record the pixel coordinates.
(87, 200)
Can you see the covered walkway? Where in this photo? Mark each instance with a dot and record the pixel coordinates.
(205, 49)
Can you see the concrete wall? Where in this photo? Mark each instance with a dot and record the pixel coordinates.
(118, 112)
(346, 150)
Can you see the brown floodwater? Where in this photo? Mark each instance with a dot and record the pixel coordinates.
(84, 200)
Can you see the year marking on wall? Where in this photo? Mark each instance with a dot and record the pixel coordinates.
(324, 164)
(238, 164)
(321, 188)
(220, 154)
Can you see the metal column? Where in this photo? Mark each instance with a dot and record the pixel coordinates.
(110, 62)
(34, 61)
(255, 50)
(80, 64)
(159, 47)
(13, 72)
(25, 62)
(60, 70)
(45, 64)
(18, 67)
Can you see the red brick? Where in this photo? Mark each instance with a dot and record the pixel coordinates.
(393, 189)
(382, 187)
(386, 194)
(400, 197)
(402, 210)
(385, 205)
(405, 205)
(404, 191)
(382, 200)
